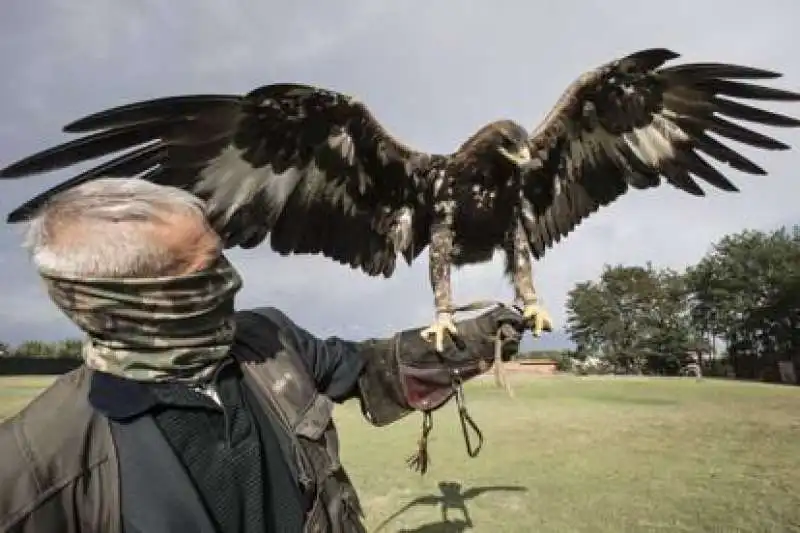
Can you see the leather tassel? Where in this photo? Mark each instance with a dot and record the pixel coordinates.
(420, 460)
(500, 377)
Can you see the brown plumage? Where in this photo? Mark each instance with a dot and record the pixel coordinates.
(628, 123)
(316, 172)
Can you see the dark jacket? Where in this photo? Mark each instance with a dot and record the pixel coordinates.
(60, 460)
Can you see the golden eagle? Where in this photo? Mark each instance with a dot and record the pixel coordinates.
(316, 171)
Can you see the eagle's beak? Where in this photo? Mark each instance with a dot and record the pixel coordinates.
(521, 158)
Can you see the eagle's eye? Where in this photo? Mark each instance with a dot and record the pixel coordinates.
(508, 143)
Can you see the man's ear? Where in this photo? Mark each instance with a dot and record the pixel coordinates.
(193, 244)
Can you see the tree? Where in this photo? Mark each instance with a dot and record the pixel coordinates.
(744, 292)
(586, 314)
(65, 349)
(69, 349)
(671, 331)
(634, 317)
(775, 324)
(34, 349)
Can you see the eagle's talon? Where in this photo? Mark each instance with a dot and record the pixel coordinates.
(444, 323)
(538, 318)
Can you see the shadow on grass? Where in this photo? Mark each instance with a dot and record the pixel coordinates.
(456, 526)
(450, 497)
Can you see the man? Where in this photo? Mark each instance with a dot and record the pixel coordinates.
(187, 415)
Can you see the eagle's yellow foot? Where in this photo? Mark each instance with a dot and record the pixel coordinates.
(538, 318)
(443, 323)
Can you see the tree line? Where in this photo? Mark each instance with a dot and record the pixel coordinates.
(39, 357)
(63, 349)
(740, 302)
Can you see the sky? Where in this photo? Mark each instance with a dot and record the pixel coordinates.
(432, 74)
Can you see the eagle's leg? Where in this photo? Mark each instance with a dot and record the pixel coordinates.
(439, 258)
(519, 268)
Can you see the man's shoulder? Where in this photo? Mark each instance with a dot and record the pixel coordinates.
(64, 399)
(269, 324)
(49, 442)
(263, 331)
(280, 319)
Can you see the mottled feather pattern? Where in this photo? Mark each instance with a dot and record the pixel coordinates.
(315, 172)
(309, 167)
(630, 124)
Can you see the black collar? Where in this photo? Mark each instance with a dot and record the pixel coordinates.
(119, 398)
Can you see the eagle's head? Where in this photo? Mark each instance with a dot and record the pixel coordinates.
(511, 141)
(501, 141)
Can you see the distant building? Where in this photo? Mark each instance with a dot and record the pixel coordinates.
(544, 366)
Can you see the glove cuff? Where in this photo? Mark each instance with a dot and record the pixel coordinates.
(381, 394)
(405, 373)
(390, 389)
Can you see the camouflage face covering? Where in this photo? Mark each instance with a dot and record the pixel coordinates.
(153, 329)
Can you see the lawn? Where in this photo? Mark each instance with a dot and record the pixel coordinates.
(587, 454)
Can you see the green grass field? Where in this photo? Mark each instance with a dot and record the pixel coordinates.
(588, 454)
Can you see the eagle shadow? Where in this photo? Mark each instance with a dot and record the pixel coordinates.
(450, 497)
(456, 526)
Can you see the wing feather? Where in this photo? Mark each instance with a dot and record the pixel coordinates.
(632, 124)
(310, 168)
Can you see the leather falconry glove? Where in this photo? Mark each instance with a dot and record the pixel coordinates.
(410, 375)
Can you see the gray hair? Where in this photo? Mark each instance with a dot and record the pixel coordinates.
(106, 217)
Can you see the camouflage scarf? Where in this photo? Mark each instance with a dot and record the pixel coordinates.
(153, 329)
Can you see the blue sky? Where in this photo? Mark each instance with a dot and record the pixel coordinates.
(432, 74)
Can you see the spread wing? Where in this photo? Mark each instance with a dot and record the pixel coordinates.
(311, 168)
(628, 124)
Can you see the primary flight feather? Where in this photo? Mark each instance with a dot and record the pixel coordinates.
(315, 171)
